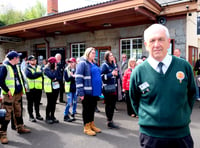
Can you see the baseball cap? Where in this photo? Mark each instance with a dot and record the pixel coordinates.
(72, 60)
(52, 60)
(31, 57)
(12, 54)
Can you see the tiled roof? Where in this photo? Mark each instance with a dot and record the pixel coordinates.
(170, 2)
(98, 3)
(161, 2)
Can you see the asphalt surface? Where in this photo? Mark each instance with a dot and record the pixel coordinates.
(70, 135)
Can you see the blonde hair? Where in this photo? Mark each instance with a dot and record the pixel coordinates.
(87, 52)
(131, 60)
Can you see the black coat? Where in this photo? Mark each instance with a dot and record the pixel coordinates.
(197, 67)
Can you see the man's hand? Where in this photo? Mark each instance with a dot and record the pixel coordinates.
(9, 94)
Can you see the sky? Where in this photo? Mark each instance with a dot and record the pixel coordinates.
(63, 5)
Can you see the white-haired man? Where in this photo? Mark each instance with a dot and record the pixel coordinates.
(162, 92)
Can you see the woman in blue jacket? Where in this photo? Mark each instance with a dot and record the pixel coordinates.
(88, 88)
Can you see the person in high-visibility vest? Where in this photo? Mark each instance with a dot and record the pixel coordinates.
(34, 74)
(51, 87)
(70, 89)
(12, 86)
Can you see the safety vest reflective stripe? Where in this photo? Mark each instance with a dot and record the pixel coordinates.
(47, 84)
(35, 83)
(20, 77)
(67, 87)
(10, 79)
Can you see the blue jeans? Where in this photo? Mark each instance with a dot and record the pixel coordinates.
(71, 100)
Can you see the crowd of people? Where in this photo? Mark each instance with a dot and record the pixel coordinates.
(81, 78)
(144, 84)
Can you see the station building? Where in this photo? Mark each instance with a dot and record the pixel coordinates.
(116, 25)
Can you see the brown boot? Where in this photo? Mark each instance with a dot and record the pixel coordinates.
(21, 129)
(88, 131)
(3, 136)
(94, 128)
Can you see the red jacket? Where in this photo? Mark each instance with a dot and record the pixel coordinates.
(126, 79)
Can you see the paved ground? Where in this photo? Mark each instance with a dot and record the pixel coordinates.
(70, 135)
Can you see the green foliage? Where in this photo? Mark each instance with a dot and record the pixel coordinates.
(12, 16)
(2, 23)
(35, 12)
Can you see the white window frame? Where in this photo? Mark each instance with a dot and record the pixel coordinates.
(78, 48)
(130, 51)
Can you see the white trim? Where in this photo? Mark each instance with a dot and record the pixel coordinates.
(87, 88)
(79, 85)
(78, 76)
(87, 77)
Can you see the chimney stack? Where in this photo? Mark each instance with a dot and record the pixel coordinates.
(52, 7)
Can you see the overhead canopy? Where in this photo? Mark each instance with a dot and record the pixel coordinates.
(111, 14)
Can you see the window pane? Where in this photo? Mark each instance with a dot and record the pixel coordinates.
(77, 49)
(132, 47)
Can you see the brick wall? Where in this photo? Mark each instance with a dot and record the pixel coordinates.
(52, 7)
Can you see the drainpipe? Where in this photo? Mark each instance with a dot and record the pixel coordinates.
(47, 47)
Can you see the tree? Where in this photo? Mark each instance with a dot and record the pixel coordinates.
(2, 23)
(35, 12)
(12, 16)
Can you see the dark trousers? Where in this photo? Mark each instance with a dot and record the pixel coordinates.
(61, 91)
(154, 142)
(130, 110)
(33, 98)
(51, 103)
(10, 105)
(13, 120)
(89, 104)
(110, 101)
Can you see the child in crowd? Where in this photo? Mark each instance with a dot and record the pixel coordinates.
(70, 89)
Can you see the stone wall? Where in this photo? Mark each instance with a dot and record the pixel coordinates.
(177, 30)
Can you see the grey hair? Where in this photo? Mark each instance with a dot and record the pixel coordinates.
(154, 27)
(58, 54)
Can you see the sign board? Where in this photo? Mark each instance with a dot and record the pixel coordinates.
(9, 39)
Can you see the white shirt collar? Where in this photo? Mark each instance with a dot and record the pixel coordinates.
(166, 62)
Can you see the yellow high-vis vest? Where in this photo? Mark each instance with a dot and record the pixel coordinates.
(47, 84)
(67, 84)
(35, 83)
(10, 79)
(67, 87)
